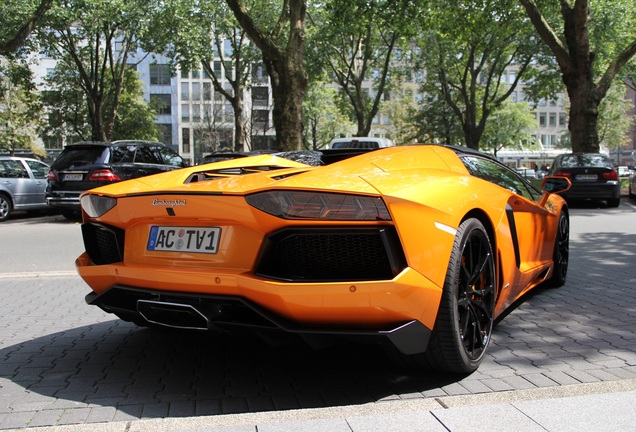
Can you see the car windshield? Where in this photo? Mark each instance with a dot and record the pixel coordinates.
(585, 160)
(78, 156)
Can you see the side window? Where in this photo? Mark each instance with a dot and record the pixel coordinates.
(500, 175)
(122, 154)
(170, 157)
(13, 169)
(146, 154)
(39, 169)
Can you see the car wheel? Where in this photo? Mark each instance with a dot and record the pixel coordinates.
(465, 318)
(561, 255)
(631, 193)
(613, 202)
(5, 207)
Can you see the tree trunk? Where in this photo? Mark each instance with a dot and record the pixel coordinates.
(583, 124)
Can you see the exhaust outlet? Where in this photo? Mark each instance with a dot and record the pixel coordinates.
(174, 315)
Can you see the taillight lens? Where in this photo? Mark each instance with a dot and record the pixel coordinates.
(104, 175)
(611, 175)
(97, 205)
(320, 206)
(563, 174)
(51, 176)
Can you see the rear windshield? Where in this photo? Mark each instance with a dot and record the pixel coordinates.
(79, 156)
(585, 160)
(355, 144)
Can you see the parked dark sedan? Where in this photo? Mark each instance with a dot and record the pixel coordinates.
(87, 165)
(592, 175)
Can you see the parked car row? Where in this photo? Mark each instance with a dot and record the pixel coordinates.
(27, 184)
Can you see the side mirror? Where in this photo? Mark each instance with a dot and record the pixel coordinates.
(551, 185)
(555, 184)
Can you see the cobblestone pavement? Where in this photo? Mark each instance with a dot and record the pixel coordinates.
(63, 362)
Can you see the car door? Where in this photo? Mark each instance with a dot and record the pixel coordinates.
(36, 188)
(527, 220)
(16, 180)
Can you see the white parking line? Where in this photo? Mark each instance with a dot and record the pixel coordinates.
(35, 275)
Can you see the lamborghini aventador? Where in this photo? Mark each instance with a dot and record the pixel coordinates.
(419, 248)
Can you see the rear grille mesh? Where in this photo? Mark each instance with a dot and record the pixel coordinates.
(311, 254)
(103, 244)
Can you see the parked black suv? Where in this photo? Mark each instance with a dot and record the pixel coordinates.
(87, 165)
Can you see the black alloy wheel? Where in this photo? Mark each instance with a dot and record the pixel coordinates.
(465, 318)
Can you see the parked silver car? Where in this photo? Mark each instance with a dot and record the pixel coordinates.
(22, 185)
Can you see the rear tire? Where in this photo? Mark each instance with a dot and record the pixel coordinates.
(5, 207)
(465, 318)
(613, 202)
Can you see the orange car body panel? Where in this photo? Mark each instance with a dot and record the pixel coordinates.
(418, 185)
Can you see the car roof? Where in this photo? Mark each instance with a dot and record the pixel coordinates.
(19, 158)
(113, 143)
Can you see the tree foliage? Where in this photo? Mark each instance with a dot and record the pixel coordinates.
(201, 31)
(467, 50)
(95, 39)
(281, 41)
(591, 42)
(356, 42)
(512, 125)
(20, 107)
(19, 19)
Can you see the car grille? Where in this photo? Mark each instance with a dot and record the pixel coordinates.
(344, 254)
(103, 244)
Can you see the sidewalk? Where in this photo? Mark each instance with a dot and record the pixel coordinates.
(599, 407)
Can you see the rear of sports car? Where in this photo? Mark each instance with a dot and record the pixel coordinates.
(273, 248)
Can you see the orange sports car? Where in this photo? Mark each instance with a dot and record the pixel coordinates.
(417, 247)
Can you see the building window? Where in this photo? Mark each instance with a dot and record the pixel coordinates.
(563, 119)
(260, 94)
(553, 119)
(196, 74)
(185, 112)
(165, 133)
(196, 112)
(542, 119)
(207, 91)
(218, 69)
(162, 103)
(196, 91)
(185, 91)
(159, 74)
(261, 116)
(185, 140)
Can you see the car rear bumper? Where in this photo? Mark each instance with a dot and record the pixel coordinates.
(583, 191)
(232, 313)
(66, 200)
(401, 311)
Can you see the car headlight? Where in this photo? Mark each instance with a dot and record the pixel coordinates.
(320, 206)
(96, 205)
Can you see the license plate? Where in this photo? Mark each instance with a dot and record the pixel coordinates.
(73, 177)
(184, 239)
(586, 177)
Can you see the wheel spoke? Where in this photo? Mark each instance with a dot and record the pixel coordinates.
(476, 294)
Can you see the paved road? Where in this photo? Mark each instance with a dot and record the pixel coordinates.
(64, 363)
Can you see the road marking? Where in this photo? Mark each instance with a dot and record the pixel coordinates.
(35, 275)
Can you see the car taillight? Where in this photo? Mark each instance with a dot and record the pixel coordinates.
(97, 205)
(51, 176)
(320, 206)
(611, 175)
(104, 175)
(563, 174)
